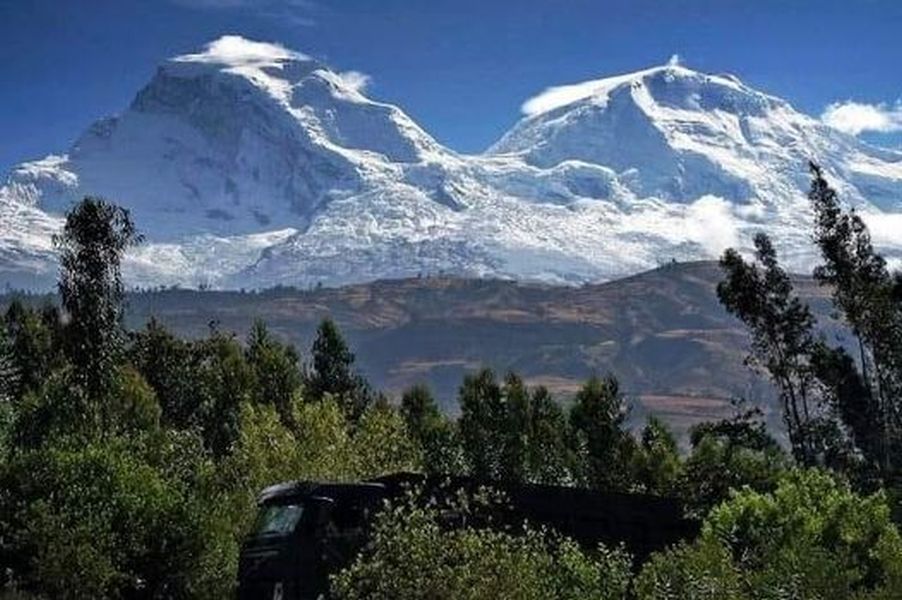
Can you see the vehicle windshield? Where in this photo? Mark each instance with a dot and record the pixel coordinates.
(278, 519)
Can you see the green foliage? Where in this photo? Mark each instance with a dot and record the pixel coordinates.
(225, 381)
(203, 383)
(812, 537)
(9, 382)
(381, 443)
(867, 296)
(265, 452)
(435, 433)
(657, 468)
(700, 571)
(332, 372)
(413, 556)
(170, 366)
(812, 530)
(511, 433)
(91, 246)
(61, 408)
(420, 411)
(276, 369)
(99, 521)
(548, 458)
(321, 444)
(482, 423)
(9, 374)
(33, 340)
(783, 341)
(601, 444)
(729, 455)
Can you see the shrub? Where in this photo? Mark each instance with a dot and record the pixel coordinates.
(99, 521)
(413, 556)
(812, 537)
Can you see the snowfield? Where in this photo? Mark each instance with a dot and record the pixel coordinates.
(251, 165)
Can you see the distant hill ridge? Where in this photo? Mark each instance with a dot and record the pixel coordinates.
(662, 333)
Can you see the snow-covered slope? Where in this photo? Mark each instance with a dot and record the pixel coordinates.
(677, 134)
(237, 138)
(248, 164)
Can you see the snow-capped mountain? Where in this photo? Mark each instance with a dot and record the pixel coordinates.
(677, 134)
(248, 164)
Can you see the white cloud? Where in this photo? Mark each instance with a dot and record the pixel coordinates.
(561, 95)
(355, 80)
(884, 227)
(857, 117)
(237, 51)
(711, 223)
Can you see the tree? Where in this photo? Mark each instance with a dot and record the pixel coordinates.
(868, 297)
(98, 520)
(171, 367)
(420, 411)
(515, 429)
(333, 372)
(91, 246)
(841, 412)
(135, 403)
(225, 381)
(34, 341)
(783, 344)
(512, 433)
(700, 571)
(602, 446)
(481, 423)
(730, 454)
(382, 444)
(435, 433)
(9, 382)
(61, 409)
(656, 467)
(276, 369)
(9, 375)
(548, 457)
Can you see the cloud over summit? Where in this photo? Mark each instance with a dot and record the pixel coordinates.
(859, 117)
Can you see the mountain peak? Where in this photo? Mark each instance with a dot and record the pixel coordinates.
(599, 90)
(268, 66)
(672, 132)
(231, 140)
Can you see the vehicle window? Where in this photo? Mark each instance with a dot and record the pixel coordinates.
(278, 519)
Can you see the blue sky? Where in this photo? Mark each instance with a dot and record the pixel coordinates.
(461, 68)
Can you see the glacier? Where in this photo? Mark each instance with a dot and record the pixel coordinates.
(249, 165)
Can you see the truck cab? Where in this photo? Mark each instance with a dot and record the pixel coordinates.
(303, 532)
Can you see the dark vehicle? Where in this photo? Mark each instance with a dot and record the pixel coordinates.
(306, 531)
